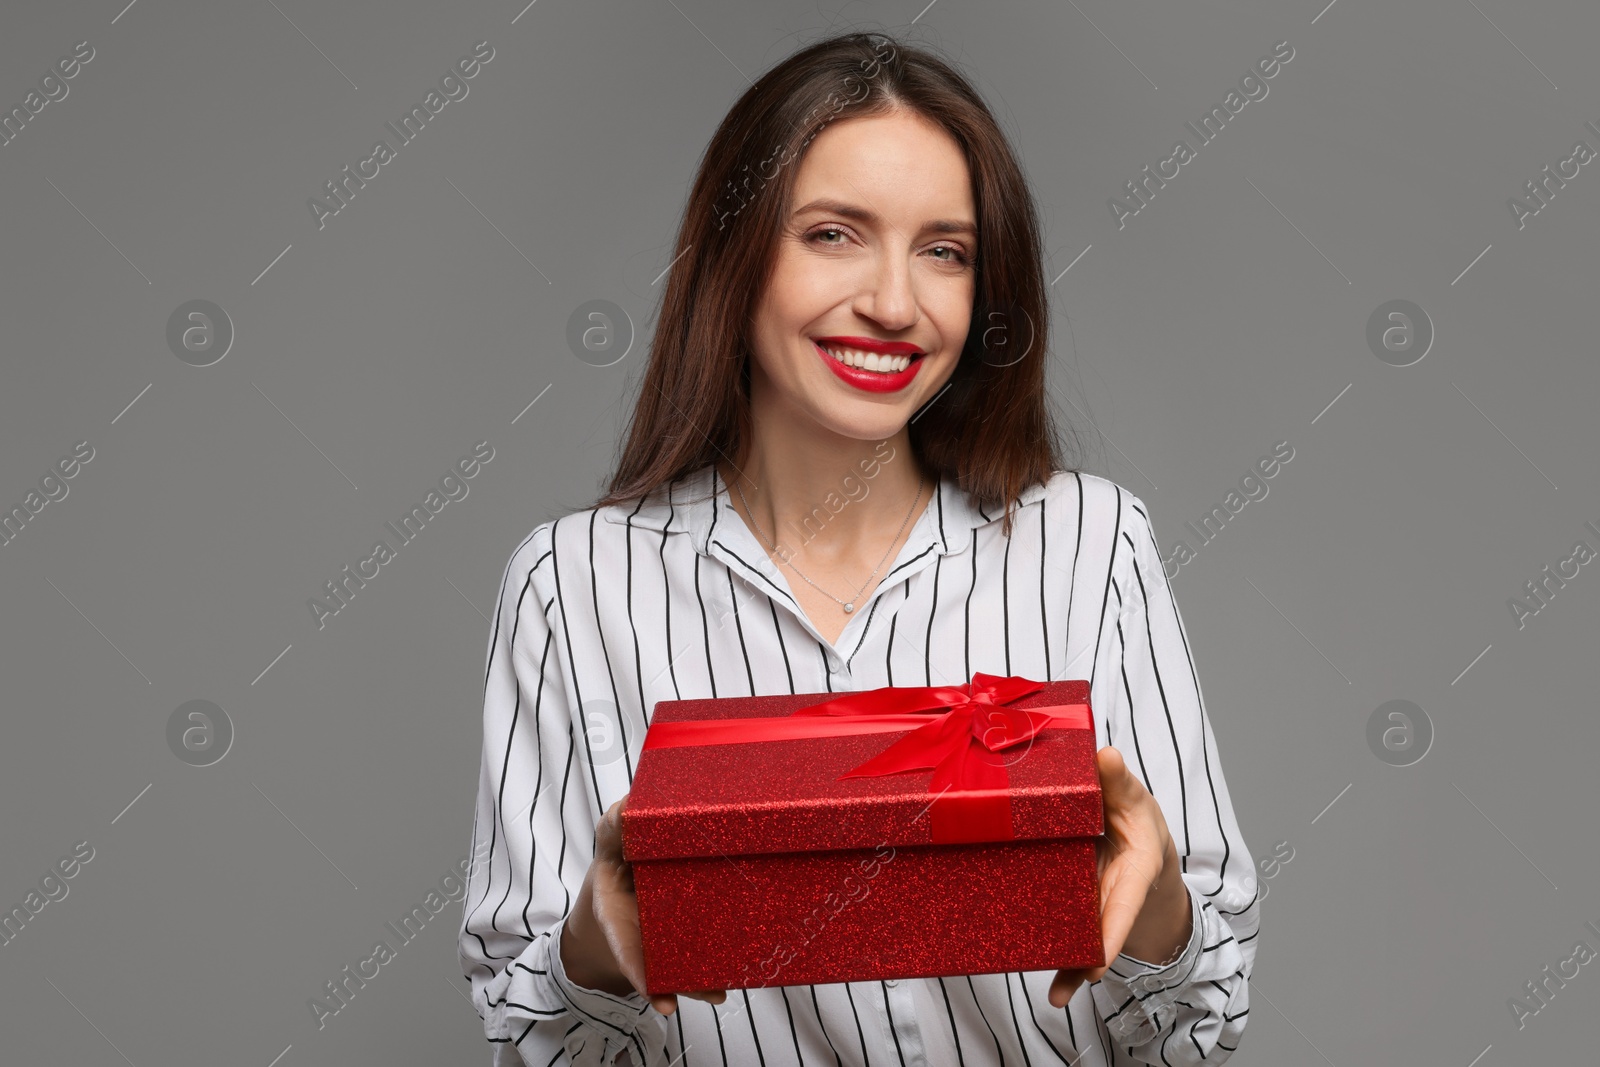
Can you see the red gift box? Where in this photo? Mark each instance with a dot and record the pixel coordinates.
(796, 839)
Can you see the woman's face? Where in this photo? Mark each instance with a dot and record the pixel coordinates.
(878, 247)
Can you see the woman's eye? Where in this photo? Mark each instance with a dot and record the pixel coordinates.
(815, 234)
(956, 255)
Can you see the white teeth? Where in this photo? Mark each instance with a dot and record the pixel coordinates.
(869, 360)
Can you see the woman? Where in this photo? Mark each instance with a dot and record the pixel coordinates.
(840, 475)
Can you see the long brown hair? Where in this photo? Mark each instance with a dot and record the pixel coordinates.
(990, 428)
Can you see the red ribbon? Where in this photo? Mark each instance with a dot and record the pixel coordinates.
(972, 797)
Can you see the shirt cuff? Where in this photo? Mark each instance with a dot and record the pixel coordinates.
(1135, 996)
(616, 1016)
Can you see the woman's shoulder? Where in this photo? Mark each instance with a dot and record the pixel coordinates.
(531, 555)
(585, 537)
(1100, 525)
(540, 544)
(1100, 515)
(1098, 497)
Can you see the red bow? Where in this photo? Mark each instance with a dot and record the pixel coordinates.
(974, 714)
(957, 745)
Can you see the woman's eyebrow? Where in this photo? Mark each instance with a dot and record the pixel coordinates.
(866, 217)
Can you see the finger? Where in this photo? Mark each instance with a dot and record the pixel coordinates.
(1123, 798)
(1118, 786)
(608, 835)
(1065, 984)
(667, 1003)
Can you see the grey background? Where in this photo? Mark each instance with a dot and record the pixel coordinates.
(1230, 314)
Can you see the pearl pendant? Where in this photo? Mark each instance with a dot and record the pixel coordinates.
(849, 607)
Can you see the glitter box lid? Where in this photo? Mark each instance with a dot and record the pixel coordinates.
(786, 796)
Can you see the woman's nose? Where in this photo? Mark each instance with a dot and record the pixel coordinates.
(890, 298)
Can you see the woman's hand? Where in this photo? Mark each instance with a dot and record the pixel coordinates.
(1144, 903)
(601, 947)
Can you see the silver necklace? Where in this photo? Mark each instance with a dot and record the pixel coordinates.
(851, 604)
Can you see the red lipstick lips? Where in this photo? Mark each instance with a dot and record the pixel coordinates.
(870, 380)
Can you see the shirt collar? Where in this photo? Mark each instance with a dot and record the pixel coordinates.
(688, 505)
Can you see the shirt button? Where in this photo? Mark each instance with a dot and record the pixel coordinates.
(892, 982)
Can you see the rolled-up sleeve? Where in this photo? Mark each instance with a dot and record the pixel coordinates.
(1193, 1009)
(536, 813)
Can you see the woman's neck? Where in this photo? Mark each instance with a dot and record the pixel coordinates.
(836, 506)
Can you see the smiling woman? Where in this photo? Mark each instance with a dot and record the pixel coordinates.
(831, 316)
(857, 211)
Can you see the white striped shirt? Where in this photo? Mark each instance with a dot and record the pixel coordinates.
(607, 611)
